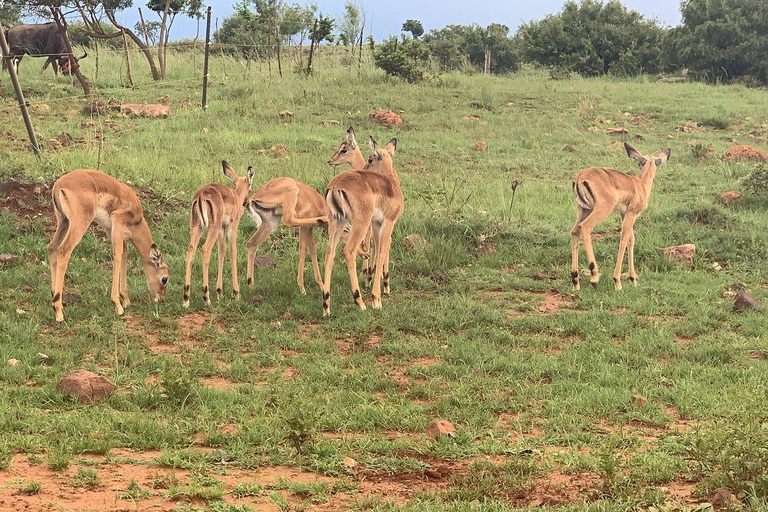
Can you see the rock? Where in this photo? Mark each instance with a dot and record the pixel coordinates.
(480, 145)
(72, 298)
(745, 301)
(155, 111)
(616, 131)
(680, 253)
(286, 114)
(415, 242)
(540, 275)
(279, 151)
(638, 400)
(349, 462)
(471, 117)
(386, 118)
(13, 362)
(256, 300)
(7, 258)
(437, 428)
(27, 289)
(85, 386)
(744, 152)
(329, 122)
(94, 108)
(570, 148)
(729, 197)
(265, 261)
(484, 249)
(724, 498)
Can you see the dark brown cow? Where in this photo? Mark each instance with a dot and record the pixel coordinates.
(44, 40)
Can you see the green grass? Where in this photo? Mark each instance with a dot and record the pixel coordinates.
(532, 395)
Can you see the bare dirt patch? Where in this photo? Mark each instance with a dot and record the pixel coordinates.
(556, 488)
(28, 201)
(218, 383)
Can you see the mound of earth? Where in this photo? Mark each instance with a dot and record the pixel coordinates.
(386, 118)
(744, 152)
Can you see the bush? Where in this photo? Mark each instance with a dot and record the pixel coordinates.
(456, 45)
(592, 38)
(756, 181)
(406, 59)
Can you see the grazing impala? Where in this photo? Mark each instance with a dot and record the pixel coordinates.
(599, 192)
(216, 209)
(84, 196)
(360, 199)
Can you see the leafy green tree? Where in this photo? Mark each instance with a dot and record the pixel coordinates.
(456, 46)
(10, 14)
(720, 40)
(593, 38)
(351, 24)
(414, 27)
(407, 58)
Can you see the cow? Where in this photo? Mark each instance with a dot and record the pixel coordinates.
(44, 40)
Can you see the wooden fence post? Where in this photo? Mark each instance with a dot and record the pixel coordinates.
(19, 93)
(128, 62)
(207, 52)
(312, 47)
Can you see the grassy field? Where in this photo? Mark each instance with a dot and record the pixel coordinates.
(239, 407)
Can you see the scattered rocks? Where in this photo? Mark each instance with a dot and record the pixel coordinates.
(744, 301)
(438, 428)
(94, 108)
(744, 152)
(480, 145)
(13, 362)
(729, 197)
(569, 148)
(7, 258)
(85, 386)
(616, 131)
(329, 122)
(415, 242)
(679, 253)
(265, 261)
(638, 400)
(386, 118)
(286, 114)
(155, 111)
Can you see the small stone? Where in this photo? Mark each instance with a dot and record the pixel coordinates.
(255, 299)
(27, 289)
(349, 462)
(638, 400)
(265, 261)
(7, 258)
(287, 315)
(415, 241)
(745, 301)
(729, 197)
(329, 122)
(285, 114)
(540, 275)
(437, 428)
(616, 131)
(140, 110)
(386, 118)
(569, 148)
(680, 253)
(44, 358)
(13, 362)
(480, 145)
(85, 386)
(277, 325)
(72, 298)
(724, 498)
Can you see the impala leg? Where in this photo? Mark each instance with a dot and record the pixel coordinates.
(631, 246)
(385, 267)
(220, 252)
(596, 216)
(384, 243)
(69, 241)
(359, 229)
(256, 240)
(289, 214)
(210, 239)
(575, 239)
(627, 222)
(195, 233)
(313, 253)
(233, 260)
(335, 230)
(124, 277)
(117, 267)
(370, 263)
(62, 226)
(304, 232)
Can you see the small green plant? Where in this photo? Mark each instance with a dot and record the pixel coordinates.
(134, 492)
(300, 423)
(59, 457)
(700, 151)
(30, 488)
(179, 384)
(244, 490)
(718, 122)
(486, 480)
(756, 181)
(86, 477)
(280, 501)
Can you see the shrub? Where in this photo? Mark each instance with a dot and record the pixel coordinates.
(406, 59)
(756, 181)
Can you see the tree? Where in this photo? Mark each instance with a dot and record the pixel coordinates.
(350, 25)
(169, 9)
(721, 40)
(456, 45)
(414, 27)
(407, 58)
(10, 14)
(593, 38)
(153, 30)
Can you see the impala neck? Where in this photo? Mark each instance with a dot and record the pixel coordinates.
(141, 239)
(358, 160)
(646, 177)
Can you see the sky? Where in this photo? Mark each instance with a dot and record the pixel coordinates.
(387, 16)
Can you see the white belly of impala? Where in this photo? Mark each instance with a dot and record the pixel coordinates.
(102, 219)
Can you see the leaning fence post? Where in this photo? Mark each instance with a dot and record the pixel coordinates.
(19, 93)
(207, 52)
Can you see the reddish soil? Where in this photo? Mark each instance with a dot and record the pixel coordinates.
(744, 152)
(28, 201)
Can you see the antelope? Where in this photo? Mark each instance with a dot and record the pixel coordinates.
(216, 209)
(598, 192)
(349, 153)
(359, 199)
(84, 196)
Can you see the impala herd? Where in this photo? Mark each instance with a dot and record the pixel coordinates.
(360, 208)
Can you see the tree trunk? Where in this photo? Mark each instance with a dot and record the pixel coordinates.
(74, 67)
(139, 43)
(161, 42)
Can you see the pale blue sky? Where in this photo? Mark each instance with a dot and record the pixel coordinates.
(387, 16)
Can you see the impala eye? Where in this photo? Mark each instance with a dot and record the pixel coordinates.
(164, 280)
(343, 151)
(370, 159)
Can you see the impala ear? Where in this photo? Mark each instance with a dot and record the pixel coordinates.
(229, 172)
(250, 175)
(391, 146)
(155, 256)
(635, 154)
(665, 153)
(351, 138)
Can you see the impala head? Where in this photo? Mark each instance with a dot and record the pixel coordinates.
(381, 157)
(647, 162)
(242, 185)
(346, 152)
(157, 279)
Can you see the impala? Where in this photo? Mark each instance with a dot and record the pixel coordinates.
(356, 200)
(598, 192)
(216, 209)
(85, 196)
